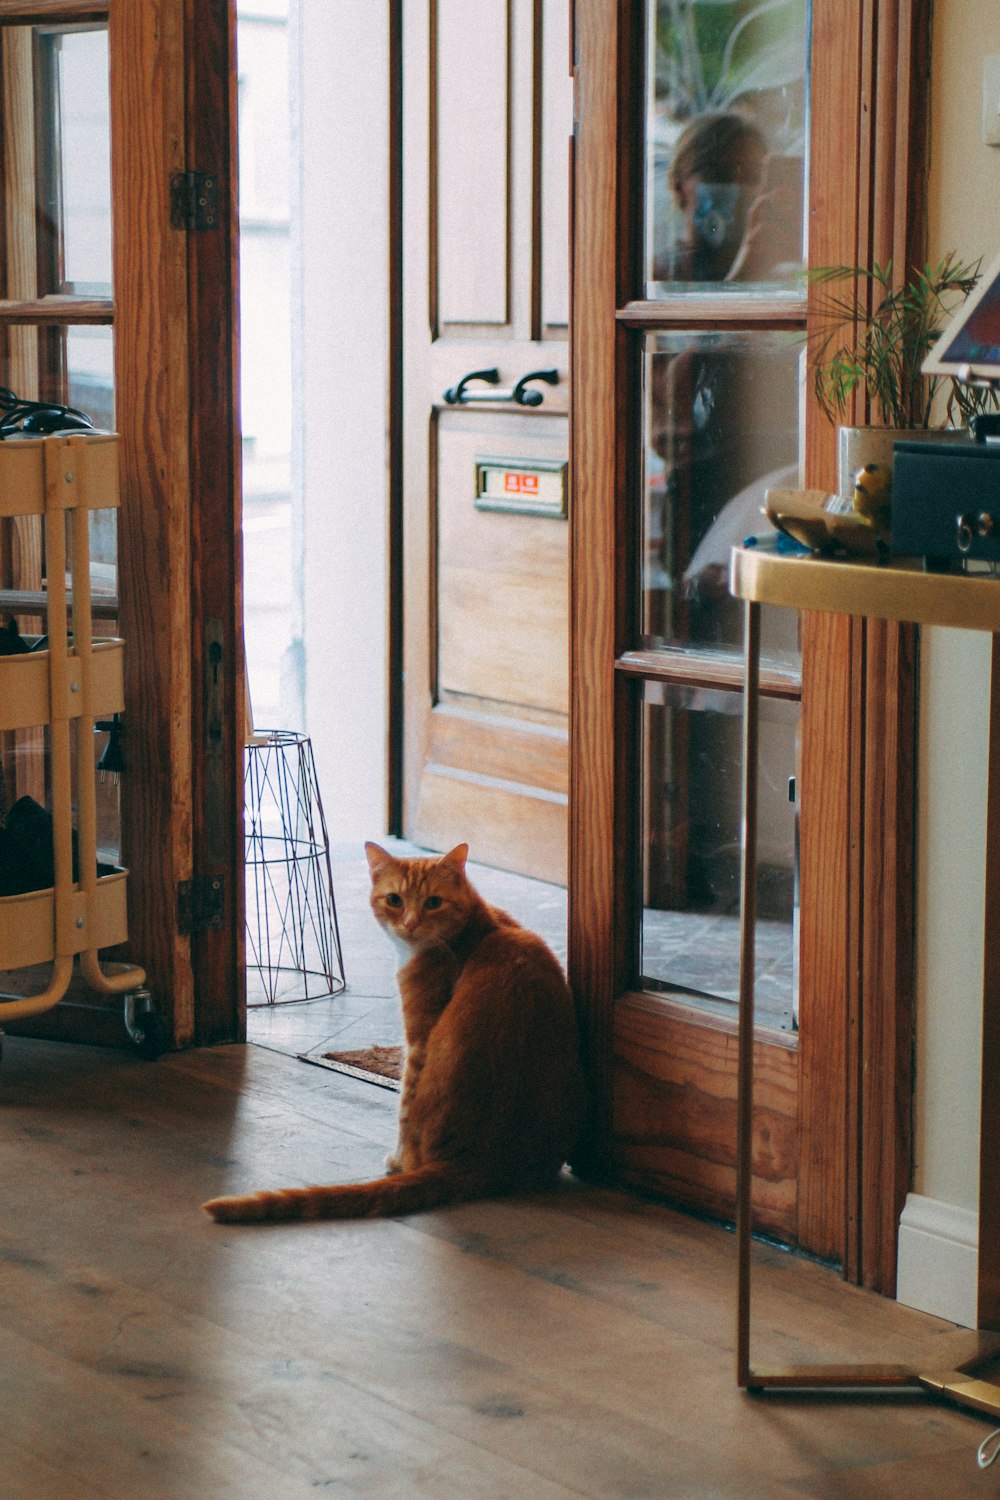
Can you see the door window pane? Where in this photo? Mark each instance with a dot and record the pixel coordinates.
(74, 161)
(90, 388)
(84, 160)
(691, 869)
(725, 139)
(721, 427)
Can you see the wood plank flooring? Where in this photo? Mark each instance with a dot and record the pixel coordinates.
(576, 1344)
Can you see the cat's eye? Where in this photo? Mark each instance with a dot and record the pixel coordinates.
(394, 899)
(432, 903)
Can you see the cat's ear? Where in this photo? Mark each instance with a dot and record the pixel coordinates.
(456, 857)
(378, 859)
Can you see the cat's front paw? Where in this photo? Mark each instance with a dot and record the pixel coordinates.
(392, 1164)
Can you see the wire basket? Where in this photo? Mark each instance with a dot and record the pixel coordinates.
(293, 941)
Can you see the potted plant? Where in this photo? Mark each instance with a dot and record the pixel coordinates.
(873, 338)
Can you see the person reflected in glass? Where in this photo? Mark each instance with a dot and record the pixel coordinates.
(739, 204)
(740, 212)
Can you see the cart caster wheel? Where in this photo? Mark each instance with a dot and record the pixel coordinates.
(148, 1042)
(143, 1024)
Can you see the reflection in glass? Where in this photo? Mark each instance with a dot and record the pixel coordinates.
(691, 824)
(725, 171)
(721, 427)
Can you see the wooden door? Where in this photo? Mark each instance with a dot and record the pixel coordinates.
(486, 126)
(832, 1147)
(154, 102)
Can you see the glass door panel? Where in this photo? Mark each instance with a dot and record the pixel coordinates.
(725, 141)
(74, 165)
(721, 427)
(57, 232)
(721, 399)
(691, 814)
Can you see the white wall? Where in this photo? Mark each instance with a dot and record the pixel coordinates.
(939, 1232)
(341, 54)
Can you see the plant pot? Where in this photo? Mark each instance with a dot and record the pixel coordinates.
(857, 446)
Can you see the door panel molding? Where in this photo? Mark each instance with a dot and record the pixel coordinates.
(472, 126)
(661, 1076)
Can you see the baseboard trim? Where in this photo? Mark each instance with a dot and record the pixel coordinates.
(938, 1259)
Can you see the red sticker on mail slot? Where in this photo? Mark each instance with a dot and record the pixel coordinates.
(520, 484)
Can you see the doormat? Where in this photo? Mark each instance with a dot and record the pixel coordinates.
(379, 1065)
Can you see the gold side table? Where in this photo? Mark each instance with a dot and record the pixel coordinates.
(903, 592)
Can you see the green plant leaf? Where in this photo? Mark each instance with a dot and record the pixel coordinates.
(875, 336)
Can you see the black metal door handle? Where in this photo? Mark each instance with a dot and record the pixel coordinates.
(520, 394)
(457, 395)
(524, 397)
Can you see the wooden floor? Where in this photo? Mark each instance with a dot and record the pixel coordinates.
(573, 1345)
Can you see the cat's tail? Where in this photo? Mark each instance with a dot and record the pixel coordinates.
(428, 1186)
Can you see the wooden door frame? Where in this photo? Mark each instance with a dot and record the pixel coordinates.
(179, 421)
(856, 1136)
(216, 495)
(173, 91)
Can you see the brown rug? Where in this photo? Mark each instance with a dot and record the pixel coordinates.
(380, 1065)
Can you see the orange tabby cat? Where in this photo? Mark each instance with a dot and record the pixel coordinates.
(492, 1099)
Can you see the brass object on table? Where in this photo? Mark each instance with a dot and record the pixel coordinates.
(826, 524)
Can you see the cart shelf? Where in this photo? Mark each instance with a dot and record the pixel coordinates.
(45, 473)
(25, 689)
(28, 923)
(66, 687)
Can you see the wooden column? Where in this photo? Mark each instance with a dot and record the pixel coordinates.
(593, 872)
(216, 645)
(153, 409)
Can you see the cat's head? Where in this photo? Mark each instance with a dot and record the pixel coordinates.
(421, 901)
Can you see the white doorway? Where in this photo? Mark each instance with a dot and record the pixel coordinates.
(314, 105)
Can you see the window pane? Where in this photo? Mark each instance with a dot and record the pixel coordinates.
(725, 171)
(90, 373)
(83, 145)
(721, 427)
(90, 388)
(691, 822)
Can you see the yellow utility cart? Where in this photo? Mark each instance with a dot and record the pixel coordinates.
(66, 683)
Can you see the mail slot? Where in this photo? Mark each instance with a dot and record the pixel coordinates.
(535, 487)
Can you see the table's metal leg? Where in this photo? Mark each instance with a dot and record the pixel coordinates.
(748, 917)
(955, 1377)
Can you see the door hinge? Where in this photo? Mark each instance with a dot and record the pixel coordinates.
(200, 904)
(194, 200)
